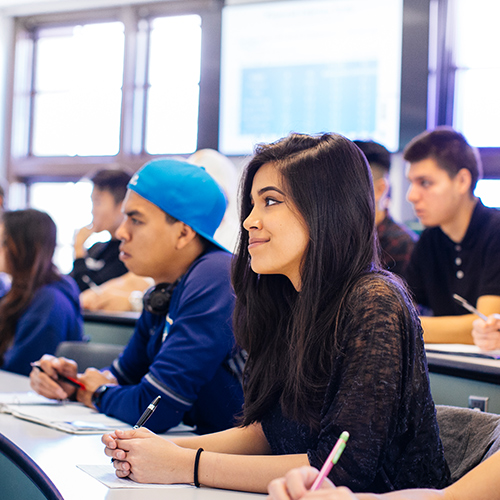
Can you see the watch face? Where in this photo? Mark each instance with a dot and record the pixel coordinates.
(97, 395)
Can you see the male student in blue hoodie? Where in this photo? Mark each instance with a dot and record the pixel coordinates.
(183, 351)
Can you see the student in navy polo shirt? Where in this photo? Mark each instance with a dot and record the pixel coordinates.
(458, 252)
(183, 351)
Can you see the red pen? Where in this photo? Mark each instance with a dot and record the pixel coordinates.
(63, 378)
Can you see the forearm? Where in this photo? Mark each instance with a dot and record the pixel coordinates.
(448, 329)
(248, 440)
(243, 472)
(481, 483)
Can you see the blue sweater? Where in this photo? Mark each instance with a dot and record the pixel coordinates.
(52, 316)
(187, 358)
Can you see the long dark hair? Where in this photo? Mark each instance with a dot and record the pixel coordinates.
(290, 337)
(29, 243)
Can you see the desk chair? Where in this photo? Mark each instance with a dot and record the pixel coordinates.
(89, 354)
(468, 437)
(21, 478)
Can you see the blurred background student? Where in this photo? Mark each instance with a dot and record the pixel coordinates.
(226, 174)
(396, 240)
(41, 309)
(100, 262)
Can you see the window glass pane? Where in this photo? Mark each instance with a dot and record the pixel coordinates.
(477, 36)
(174, 77)
(477, 107)
(477, 78)
(70, 206)
(78, 79)
(489, 192)
(311, 66)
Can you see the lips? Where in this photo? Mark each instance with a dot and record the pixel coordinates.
(255, 242)
(123, 254)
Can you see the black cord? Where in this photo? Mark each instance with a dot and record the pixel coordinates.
(196, 466)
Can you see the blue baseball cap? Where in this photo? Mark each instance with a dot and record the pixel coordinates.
(184, 191)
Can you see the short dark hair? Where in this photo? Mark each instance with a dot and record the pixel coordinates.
(376, 154)
(114, 181)
(449, 149)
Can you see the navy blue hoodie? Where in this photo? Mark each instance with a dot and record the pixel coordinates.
(52, 316)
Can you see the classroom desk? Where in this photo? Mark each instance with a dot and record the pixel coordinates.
(456, 377)
(109, 327)
(58, 453)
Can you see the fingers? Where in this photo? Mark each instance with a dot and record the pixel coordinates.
(44, 381)
(141, 432)
(65, 366)
(486, 334)
(295, 484)
(110, 376)
(277, 489)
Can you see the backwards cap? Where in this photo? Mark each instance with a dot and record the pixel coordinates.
(183, 191)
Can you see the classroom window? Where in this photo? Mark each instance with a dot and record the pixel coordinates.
(477, 73)
(489, 192)
(70, 206)
(173, 85)
(78, 74)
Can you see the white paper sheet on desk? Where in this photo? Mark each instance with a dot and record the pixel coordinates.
(463, 349)
(74, 418)
(106, 475)
(25, 398)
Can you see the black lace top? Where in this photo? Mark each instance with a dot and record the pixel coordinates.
(378, 392)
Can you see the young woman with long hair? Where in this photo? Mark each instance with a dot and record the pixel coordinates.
(334, 343)
(41, 309)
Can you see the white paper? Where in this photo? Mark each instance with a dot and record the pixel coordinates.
(106, 475)
(71, 417)
(25, 398)
(463, 349)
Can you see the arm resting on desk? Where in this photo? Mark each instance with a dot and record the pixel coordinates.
(457, 329)
(238, 458)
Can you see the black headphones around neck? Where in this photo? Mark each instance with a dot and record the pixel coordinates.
(156, 300)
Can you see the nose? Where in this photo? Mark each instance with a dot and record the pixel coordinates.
(121, 233)
(411, 194)
(252, 221)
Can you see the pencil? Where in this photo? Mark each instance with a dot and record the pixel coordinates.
(332, 459)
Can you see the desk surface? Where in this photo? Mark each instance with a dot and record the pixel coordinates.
(470, 367)
(116, 318)
(58, 453)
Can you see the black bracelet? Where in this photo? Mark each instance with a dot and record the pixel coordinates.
(196, 466)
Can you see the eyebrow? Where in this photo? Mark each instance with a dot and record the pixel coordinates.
(270, 188)
(133, 213)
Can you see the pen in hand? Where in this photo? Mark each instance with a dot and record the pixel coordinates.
(469, 307)
(147, 412)
(62, 378)
(332, 459)
(145, 416)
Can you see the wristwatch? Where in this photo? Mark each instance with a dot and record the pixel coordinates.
(97, 395)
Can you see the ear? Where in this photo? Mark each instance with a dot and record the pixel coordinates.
(185, 235)
(380, 188)
(463, 180)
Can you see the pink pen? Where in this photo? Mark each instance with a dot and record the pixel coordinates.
(332, 459)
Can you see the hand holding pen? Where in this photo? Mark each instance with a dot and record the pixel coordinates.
(146, 415)
(300, 481)
(47, 378)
